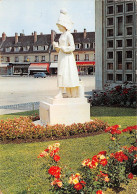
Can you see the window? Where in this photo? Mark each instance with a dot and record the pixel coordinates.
(7, 59)
(55, 57)
(110, 10)
(26, 48)
(119, 8)
(35, 48)
(109, 1)
(77, 46)
(110, 55)
(16, 59)
(110, 32)
(87, 45)
(119, 26)
(26, 59)
(129, 7)
(129, 43)
(128, 65)
(119, 60)
(110, 66)
(36, 58)
(129, 19)
(109, 21)
(129, 30)
(77, 57)
(109, 77)
(1, 58)
(110, 44)
(86, 57)
(43, 58)
(128, 54)
(118, 77)
(16, 49)
(118, 43)
(128, 77)
(8, 49)
(45, 47)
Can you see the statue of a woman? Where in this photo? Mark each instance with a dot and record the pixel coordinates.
(67, 76)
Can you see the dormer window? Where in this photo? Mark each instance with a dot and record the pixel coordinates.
(77, 46)
(26, 48)
(87, 45)
(35, 48)
(8, 49)
(16, 49)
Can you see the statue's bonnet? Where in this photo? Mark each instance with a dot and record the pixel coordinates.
(64, 19)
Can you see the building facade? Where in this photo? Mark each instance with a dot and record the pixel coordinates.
(116, 42)
(25, 55)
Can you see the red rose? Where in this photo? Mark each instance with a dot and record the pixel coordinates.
(103, 162)
(78, 186)
(56, 150)
(102, 153)
(99, 192)
(83, 183)
(130, 176)
(56, 158)
(55, 171)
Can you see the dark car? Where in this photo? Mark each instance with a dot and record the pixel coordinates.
(40, 74)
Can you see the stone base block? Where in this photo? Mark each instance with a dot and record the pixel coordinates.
(64, 111)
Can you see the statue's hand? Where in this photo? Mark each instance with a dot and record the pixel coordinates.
(57, 49)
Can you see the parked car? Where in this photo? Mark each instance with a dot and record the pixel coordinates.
(40, 74)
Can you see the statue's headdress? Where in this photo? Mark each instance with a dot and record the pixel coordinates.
(64, 19)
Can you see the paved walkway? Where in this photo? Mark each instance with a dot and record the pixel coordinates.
(24, 93)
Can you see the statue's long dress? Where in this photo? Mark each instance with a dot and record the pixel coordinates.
(67, 69)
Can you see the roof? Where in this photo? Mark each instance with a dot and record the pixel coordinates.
(43, 39)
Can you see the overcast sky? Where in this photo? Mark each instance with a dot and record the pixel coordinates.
(41, 15)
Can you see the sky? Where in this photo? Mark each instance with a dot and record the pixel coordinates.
(27, 16)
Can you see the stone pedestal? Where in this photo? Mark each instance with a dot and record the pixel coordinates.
(64, 111)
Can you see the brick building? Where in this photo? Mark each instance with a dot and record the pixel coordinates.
(21, 54)
(116, 42)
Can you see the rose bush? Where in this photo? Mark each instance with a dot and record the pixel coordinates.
(124, 96)
(24, 128)
(103, 170)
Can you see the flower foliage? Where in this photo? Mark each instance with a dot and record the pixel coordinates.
(124, 96)
(24, 128)
(103, 170)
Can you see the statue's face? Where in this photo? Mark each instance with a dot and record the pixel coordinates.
(61, 28)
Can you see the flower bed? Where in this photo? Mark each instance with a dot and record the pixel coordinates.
(102, 171)
(24, 128)
(118, 96)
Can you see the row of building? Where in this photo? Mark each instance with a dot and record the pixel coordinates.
(26, 55)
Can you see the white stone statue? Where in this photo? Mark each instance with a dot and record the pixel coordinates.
(67, 77)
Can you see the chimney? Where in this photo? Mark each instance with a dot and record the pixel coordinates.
(16, 38)
(32, 34)
(21, 34)
(35, 36)
(52, 35)
(75, 31)
(3, 36)
(41, 33)
(85, 33)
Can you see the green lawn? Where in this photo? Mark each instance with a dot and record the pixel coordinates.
(22, 172)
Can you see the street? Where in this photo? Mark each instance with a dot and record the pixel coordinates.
(18, 90)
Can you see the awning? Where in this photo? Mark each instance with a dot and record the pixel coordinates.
(85, 63)
(39, 66)
(4, 64)
(54, 65)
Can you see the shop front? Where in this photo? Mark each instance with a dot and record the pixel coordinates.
(53, 68)
(3, 68)
(18, 68)
(38, 67)
(86, 67)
